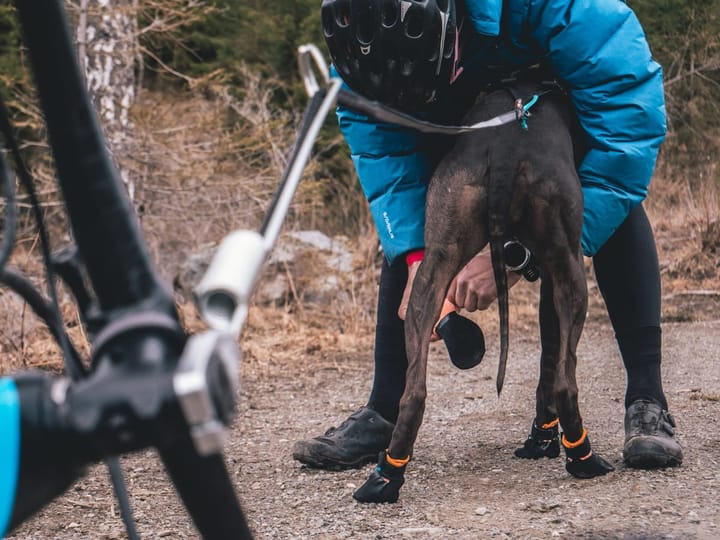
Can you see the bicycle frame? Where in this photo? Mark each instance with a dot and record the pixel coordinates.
(149, 383)
(137, 308)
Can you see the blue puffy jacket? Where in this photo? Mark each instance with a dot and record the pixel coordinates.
(9, 448)
(598, 50)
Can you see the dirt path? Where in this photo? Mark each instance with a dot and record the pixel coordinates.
(463, 481)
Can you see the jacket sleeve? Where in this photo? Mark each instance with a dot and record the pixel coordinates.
(394, 175)
(9, 449)
(599, 49)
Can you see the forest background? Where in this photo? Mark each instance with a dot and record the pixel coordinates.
(200, 101)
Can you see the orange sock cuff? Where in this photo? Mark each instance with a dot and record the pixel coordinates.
(577, 443)
(396, 462)
(550, 425)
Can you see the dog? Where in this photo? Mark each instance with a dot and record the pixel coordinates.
(515, 181)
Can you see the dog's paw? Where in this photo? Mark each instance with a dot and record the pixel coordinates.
(536, 449)
(581, 461)
(540, 443)
(383, 485)
(378, 489)
(589, 467)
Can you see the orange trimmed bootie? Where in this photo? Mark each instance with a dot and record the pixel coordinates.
(580, 461)
(384, 483)
(543, 441)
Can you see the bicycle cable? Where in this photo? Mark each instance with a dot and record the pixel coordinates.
(48, 311)
(75, 368)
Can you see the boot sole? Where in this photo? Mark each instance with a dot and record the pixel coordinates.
(330, 464)
(647, 453)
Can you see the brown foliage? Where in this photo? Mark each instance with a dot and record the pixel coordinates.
(206, 164)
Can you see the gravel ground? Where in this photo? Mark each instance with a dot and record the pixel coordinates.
(463, 481)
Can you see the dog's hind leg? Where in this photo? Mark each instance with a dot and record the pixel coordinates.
(544, 437)
(449, 244)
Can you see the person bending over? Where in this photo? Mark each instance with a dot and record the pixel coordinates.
(431, 59)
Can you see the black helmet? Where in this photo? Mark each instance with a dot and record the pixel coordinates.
(398, 52)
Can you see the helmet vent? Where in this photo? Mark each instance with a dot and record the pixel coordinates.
(342, 15)
(413, 24)
(328, 22)
(389, 13)
(365, 24)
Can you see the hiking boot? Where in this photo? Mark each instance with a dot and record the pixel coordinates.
(355, 442)
(650, 436)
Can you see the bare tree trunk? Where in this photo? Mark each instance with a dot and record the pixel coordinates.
(107, 45)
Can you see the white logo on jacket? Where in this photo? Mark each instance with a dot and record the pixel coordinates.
(388, 225)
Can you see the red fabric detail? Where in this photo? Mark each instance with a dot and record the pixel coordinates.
(414, 256)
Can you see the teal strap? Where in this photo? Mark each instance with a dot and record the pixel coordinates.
(9, 449)
(530, 103)
(526, 109)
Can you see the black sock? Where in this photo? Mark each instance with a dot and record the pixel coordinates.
(390, 356)
(641, 355)
(628, 276)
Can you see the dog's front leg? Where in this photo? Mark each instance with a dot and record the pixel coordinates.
(564, 289)
(544, 437)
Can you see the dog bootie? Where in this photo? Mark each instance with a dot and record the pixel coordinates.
(384, 483)
(580, 461)
(463, 338)
(542, 442)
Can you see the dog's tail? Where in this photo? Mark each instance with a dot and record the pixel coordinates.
(501, 182)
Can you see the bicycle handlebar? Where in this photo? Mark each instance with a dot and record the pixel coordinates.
(137, 403)
(149, 385)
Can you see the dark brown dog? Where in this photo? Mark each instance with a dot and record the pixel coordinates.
(494, 185)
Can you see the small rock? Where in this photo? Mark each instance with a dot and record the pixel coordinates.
(431, 531)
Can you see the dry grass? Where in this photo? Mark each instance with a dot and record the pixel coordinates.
(205, 165)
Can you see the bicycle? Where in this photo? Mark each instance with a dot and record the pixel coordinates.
(147, 383)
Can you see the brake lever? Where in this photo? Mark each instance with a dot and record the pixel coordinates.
(206, 383)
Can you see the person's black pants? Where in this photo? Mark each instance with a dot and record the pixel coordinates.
(390, 355)
(628, 276)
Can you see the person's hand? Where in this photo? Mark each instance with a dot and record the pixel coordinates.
(474, 286)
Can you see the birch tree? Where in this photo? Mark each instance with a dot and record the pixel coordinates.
(107, 47)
